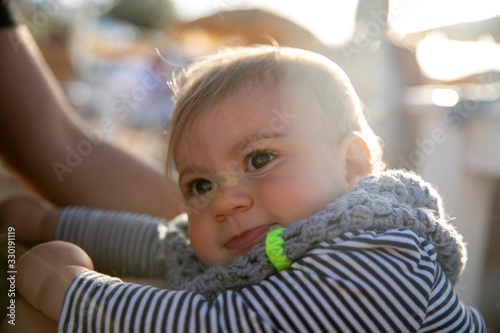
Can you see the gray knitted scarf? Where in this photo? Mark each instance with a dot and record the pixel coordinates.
(387, 200)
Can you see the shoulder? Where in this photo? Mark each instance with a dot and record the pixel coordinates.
(400, 240)
(393, 255)
(374, 281)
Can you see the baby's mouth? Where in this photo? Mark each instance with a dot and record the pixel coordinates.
(248, 238)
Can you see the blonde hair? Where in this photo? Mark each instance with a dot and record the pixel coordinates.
(213, 78)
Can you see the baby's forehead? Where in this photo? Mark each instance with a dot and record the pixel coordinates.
(277, 101)
(282, 106)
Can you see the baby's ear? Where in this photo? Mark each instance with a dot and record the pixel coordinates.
(356, 157)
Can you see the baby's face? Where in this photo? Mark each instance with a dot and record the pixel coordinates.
(258, 161)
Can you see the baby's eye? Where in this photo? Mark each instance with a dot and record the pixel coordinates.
(200, 186)
(259, 159)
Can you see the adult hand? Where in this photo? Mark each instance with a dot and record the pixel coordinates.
(34, 220)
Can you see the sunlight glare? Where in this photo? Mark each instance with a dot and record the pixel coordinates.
(445, 97)
(443, 59)
(407, 16)
(331, 21)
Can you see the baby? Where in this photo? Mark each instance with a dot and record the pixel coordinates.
(292, 225)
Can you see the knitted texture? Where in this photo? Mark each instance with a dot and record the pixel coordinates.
(184, 265)
(387, 200)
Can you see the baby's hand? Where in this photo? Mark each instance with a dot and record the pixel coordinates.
(34, 220)
(45, 273)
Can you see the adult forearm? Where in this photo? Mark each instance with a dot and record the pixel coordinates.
(49, 148)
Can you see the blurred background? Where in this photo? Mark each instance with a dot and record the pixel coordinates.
(428, 72)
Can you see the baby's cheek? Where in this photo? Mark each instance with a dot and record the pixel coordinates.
(295, 199)
(283, 199)
(202, 238)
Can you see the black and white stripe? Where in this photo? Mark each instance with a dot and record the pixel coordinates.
(118, 242)
(359, 282)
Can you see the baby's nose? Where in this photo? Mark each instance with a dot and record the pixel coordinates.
(230, 200)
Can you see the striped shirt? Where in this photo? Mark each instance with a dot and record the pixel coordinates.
(365, 281)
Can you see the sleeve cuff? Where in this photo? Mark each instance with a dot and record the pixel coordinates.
(83, 293)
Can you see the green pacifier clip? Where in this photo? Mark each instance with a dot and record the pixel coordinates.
(274, 249)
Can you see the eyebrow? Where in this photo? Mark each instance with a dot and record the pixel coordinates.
(255, 137)
(237, 148)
